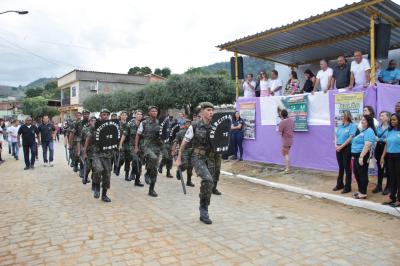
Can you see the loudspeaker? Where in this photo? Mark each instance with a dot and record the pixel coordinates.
(382, 40)
(240, 67)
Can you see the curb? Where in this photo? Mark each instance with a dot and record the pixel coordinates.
(365, 204)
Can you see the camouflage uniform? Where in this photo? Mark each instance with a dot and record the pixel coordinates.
(136, 162)
(101, 163)
(166, 158)
(187, 154)
(126, 152)
(77, 130)
(150, 146)
(86, 131)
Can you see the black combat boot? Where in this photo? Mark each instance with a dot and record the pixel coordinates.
(189, 181)
(169, 173)
(152, 193)
(96, 193)
(81, 173)
(204, 212)
(137, 181)
(127, 177)
(85, 180)
(75, 169)
(215, 191)
(104, 196)
(160, 168)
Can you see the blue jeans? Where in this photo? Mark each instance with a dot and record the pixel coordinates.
(15, 149)
(50, 146)
(238, 142)
(32, 149)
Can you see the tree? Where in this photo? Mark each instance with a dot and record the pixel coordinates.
(96, 102)
(140, 70)
(45, 110)
(165, 72)
(34, 92)
(157, 71)
(32, 103)
(51, 90)
(145, 70)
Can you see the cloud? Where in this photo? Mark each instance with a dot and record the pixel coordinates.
(57, 36)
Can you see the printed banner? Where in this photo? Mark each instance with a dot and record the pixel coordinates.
(297, 107)
(248, 114)
(352, 102)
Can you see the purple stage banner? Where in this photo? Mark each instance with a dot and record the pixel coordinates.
(313, 149)
(388, 96)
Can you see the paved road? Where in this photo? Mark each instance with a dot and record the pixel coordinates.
(49, 217)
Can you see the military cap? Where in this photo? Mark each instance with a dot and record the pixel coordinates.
(105, 110)
(92, 117)
(152, 107)
(205, 105)
(85, 111)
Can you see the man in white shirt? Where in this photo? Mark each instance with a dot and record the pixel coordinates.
(360, 71)
(13, 133)
(275, 84)
(249, 87)
(324, 77)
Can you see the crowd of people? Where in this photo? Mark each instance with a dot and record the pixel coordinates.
(370, 139)
(343, 75)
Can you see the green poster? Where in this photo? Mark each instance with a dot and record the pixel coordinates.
(297, 107)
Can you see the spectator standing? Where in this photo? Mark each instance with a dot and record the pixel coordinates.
(47, 133)
(343, 137)
(324, 77)
(309, 83)
(237, 135)
(29, 133)
(13, 131)
(392, 153)
(360, 71)
(369, 110)
(286, 130)
(181, 119)
(377, 71)
(341, 74)
(293, 85)
(264, 85)
(2, 133)
(249, 87)
(391, 75)
(275, 84)
(257, 88)
(381, 133)
(360, 150)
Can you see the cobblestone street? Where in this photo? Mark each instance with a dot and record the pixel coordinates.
(49, 217)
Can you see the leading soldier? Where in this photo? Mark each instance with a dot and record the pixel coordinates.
(101, 162)
(150, 146)
(203, 157)
(89, 159)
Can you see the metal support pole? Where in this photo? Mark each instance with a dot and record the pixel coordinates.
(236, 75)
(372, 47)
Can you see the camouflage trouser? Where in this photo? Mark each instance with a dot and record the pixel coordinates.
(167, 159)
(101, 171)
(125, 158)
(151, 154)
(204, 169)
(187, 163)
(89, 164)
(136, 165)
(215, 163)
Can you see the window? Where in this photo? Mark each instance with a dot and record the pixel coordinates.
(73, 91)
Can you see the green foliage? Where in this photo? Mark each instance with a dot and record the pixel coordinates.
(140, 70)
(45, 110)
(34, 92)
(165, 72)
(178, 91)
(157, 71)
(51, 90)
(197, 70)
(33, 103)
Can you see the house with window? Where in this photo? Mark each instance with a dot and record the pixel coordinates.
(77, 85)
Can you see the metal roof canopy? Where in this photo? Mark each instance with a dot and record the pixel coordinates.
(328, 35)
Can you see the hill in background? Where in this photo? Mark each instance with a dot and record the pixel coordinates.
(250, 66)
(19, 92)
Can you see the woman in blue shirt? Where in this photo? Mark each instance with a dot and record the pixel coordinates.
(360, 150)
(381, 133)
(344, 135)
(392, 153)
(237, 135)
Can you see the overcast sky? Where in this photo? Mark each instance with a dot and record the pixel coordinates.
(58, 36)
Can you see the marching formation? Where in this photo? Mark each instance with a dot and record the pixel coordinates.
(96, 147)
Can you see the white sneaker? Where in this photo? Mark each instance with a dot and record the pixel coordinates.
(45, 164)
(51, 164)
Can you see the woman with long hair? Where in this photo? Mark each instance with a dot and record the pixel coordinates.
(264, 91)
(310, 80)
(381, 133)
(360, 149)
(369, 110)
(343, 137)
(292, 86)
(237, 135)
(392, 155)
